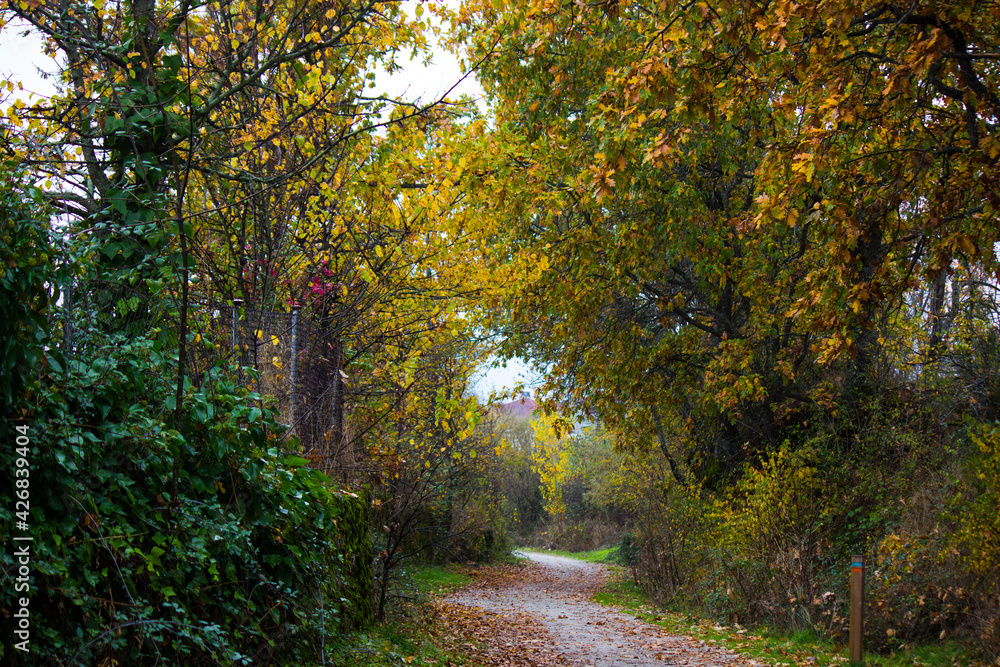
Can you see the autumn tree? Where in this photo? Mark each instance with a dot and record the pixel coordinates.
(718, 214)
(520, 483)
(189, 153)
(430, 460)
(174, 119)
(628, 276)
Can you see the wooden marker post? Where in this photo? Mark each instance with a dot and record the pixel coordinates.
(857, 608)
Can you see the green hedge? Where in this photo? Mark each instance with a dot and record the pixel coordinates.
(252, 560)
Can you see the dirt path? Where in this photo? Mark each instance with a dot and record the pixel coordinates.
(549, 604)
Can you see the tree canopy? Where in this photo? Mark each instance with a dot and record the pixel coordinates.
(723, 214)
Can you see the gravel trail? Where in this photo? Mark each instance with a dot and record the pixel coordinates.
(554, 596)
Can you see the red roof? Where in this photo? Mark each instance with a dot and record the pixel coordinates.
(524, 407)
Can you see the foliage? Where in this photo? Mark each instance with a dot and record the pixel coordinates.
(772, 548)
(669, 552)
(770, 643)
(520, 484)
(978, 528)
(757, 243)
(246, 560)
(976, 541)
(721, 223)
(27, 255)
(228, 151)
(434, 497)
(550, 457)
(754, 244)
(773, 524)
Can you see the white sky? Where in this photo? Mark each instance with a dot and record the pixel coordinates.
(20, 59)
(497, 378)
(427, 83)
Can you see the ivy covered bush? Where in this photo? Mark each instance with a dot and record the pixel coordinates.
(206, 541)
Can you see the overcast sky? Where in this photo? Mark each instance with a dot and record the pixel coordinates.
(20, 59)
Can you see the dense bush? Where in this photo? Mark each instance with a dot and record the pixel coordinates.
(520, 484)
(774, 546)
(976, 542)
(209, 543)
(667, 552)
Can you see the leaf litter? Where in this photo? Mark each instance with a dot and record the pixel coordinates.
(541, 615)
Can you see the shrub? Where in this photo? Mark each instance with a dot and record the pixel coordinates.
(203, 541)
(976, 541)
(667, 553)
(228, 569)
(771, 536)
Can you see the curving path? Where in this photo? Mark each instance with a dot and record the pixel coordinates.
(554, 596)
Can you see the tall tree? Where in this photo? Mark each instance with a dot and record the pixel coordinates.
(715, 211)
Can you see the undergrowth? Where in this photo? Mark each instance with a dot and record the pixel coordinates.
(410, 635)
(774, 645)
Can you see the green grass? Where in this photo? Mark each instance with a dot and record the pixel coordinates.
(606, 555)
(409, 636)
(437, 579)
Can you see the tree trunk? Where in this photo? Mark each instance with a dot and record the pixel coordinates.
(867, 256)
(337, 403)
(934, 342)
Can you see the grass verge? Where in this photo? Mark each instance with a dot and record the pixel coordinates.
(607, 555)
(804, 647)
(410, 636)
(438, 579)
